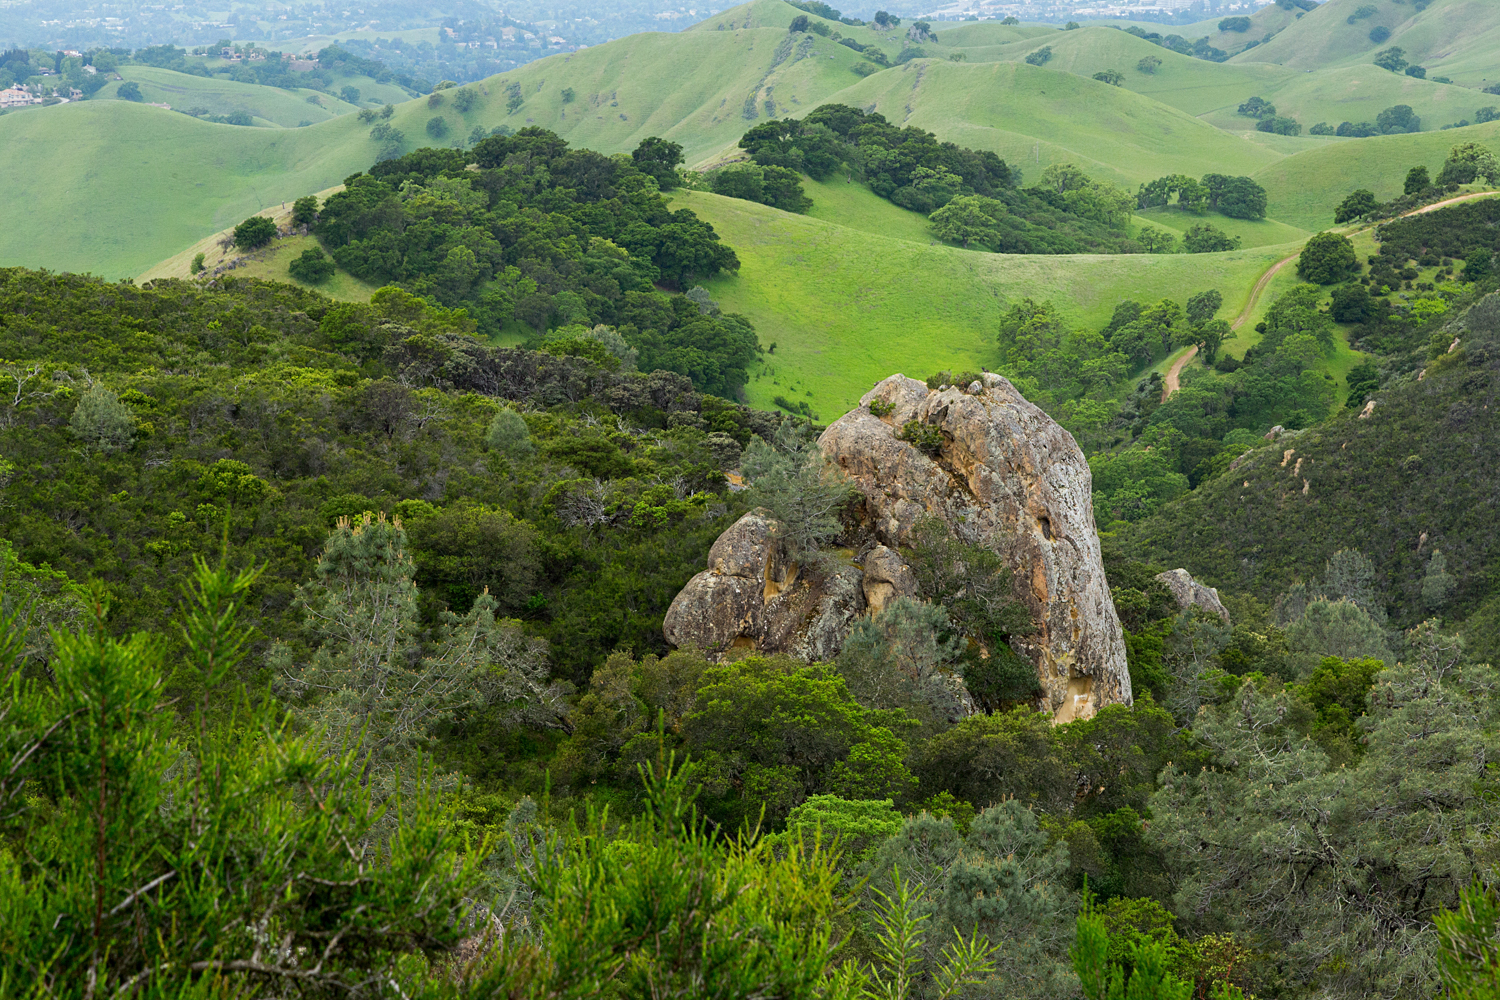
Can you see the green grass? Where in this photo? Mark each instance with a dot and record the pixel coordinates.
(1305, 189)
(282, 108)
(270, 264)
(846, 308)
(1252, 232)
(853, 205)
(1456, 38)
(1034, 117)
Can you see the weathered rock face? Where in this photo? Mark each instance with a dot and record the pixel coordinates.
(1186, 592)
(752, 596)
(1005, 476)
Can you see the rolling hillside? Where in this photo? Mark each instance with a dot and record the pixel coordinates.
(1455, 38)
(151, 182)
(273, 106)
(846, 307)
(1035, 116)
(1303, 190)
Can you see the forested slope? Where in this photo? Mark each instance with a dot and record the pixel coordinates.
(1419, 472)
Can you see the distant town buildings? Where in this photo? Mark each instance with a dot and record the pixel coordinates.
(18, 97)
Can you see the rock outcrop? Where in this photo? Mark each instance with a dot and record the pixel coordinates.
(998, 472)
(753, 596)
(1186, 592)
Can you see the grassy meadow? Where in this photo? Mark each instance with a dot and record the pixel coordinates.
(271, 106)
(846, 307)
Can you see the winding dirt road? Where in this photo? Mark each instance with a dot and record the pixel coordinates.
(1173, 379)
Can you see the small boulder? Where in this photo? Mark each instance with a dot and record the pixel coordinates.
(1186, 592)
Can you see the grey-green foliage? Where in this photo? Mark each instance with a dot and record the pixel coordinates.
(615, 344)
(1192, 658)
(1005, 881)
(1342, 867)
(1349, 575)
(972, 582)
(790, 478)
(1438, 583)
(180, 857)
(509, 435)
(901, 658)
(372, 686)
(1334, 628)
(101, 421)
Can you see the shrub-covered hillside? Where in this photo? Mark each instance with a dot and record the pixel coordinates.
(1417, 473)
(145, 426)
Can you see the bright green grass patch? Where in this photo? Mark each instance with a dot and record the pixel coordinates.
(1033, 117)
(853, 205)
(283, 108)
(847, 308)
(112, 187)
(1305, 189)
(1252, 232)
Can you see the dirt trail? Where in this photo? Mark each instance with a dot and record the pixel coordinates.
(1171, 383)
(1173, 379)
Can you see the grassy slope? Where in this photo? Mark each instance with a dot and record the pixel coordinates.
(1305, 189)
(112, 187)
(270, 263)
(852, 205)
(284, 108)
(1253, 232)
(1456, 38)
(847, 308)
(1354, 92)
(1012, 107)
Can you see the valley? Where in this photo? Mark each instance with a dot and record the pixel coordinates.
(808, 503)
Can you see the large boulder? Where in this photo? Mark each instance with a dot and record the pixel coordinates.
(1186, 592)
(753, 596)
(998, 472)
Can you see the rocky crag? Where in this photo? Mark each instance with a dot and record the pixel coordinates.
(998, 472)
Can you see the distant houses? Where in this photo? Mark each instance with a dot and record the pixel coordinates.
(18, 97)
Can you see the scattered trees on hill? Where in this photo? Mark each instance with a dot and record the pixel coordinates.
(1417, 181)
(254, 233)
(1113, 77)
(129, 91)
(1040, 56)
(312, 266)
(1467, 162)
(1327, 259)
(1379, 34)
(305, 210)
(1393, 59)
(1206, 238)
(1236, 197)
(1359, 203)
(1239, 24)
(1148, 64)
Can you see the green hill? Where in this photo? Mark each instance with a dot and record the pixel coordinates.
(1035, 116)
(1455, 38)
(846, 307)
(1303, 190)
(1419, 473)
(183, 91)
(112, 187)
